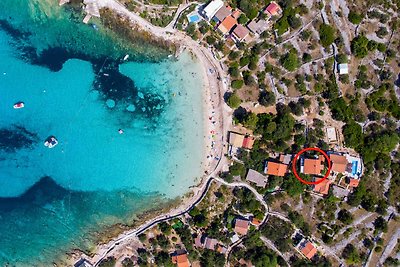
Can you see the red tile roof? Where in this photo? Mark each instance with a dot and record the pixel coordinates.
(256, 221)
(277, 169)
(210, 243)
(181, 260)
(273, 9)
(313, 166)
(197, 242)
(241, 226)
(248, 142)
(309, 250)
(322, 187)
(227, 24)
(240, 32)
(339, 163)
(236, 14)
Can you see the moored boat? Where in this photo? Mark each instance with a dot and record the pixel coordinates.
(19, 105)
(51, 142)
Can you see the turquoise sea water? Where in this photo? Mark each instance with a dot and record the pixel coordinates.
(51, 200)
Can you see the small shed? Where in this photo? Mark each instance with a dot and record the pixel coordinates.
(343, 68)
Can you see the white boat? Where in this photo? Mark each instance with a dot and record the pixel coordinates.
(51, 142)
(19, 105)
(126, 57)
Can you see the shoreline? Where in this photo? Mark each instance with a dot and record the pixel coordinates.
(214, 113)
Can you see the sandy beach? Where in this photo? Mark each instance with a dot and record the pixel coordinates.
(216, 122)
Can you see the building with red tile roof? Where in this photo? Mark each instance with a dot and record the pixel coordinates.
(248, 142)
(236, 14)
(273, 9)
(221, 249)
(227, 25)
(322, 187)
(255, 222)
(241, 226)
(276, 169)
(313, 166)
(210, 243)
(197, 242)
(222, 13)
(339, 163)
(180, 259)
(308, 250)
(240, 33)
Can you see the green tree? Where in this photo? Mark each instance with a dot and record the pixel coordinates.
(351, 255)
(211, 40)
(162, 258)
(243, 19)
(359, 46)
(250, 120)
(290, 60)
(306, 57)
(108, 262)
(354, 17)
(326, 35)
(292, 186)
(244, 61)
(294, 22)
(353, 135)
(381, 224)
(267, 98)
(345, 216)
(234, 101)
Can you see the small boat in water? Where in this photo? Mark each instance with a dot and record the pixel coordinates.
(51, 142)
(19, 105)
(126, 57)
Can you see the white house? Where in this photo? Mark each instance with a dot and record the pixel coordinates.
(211, 9)
(343, 68)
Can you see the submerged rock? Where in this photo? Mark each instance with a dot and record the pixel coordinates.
(131, 108)
(110, 103)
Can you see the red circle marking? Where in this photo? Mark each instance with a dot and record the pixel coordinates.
(311, 149)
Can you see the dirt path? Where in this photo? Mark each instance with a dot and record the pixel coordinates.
(342, 25)
(389, 247)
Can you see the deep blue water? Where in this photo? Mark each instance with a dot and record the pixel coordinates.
(76, 87)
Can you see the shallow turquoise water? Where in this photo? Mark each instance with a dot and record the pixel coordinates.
(52, 199)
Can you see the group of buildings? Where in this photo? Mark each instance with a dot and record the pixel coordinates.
(345, 174)
(226, 20)
(202, 241)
